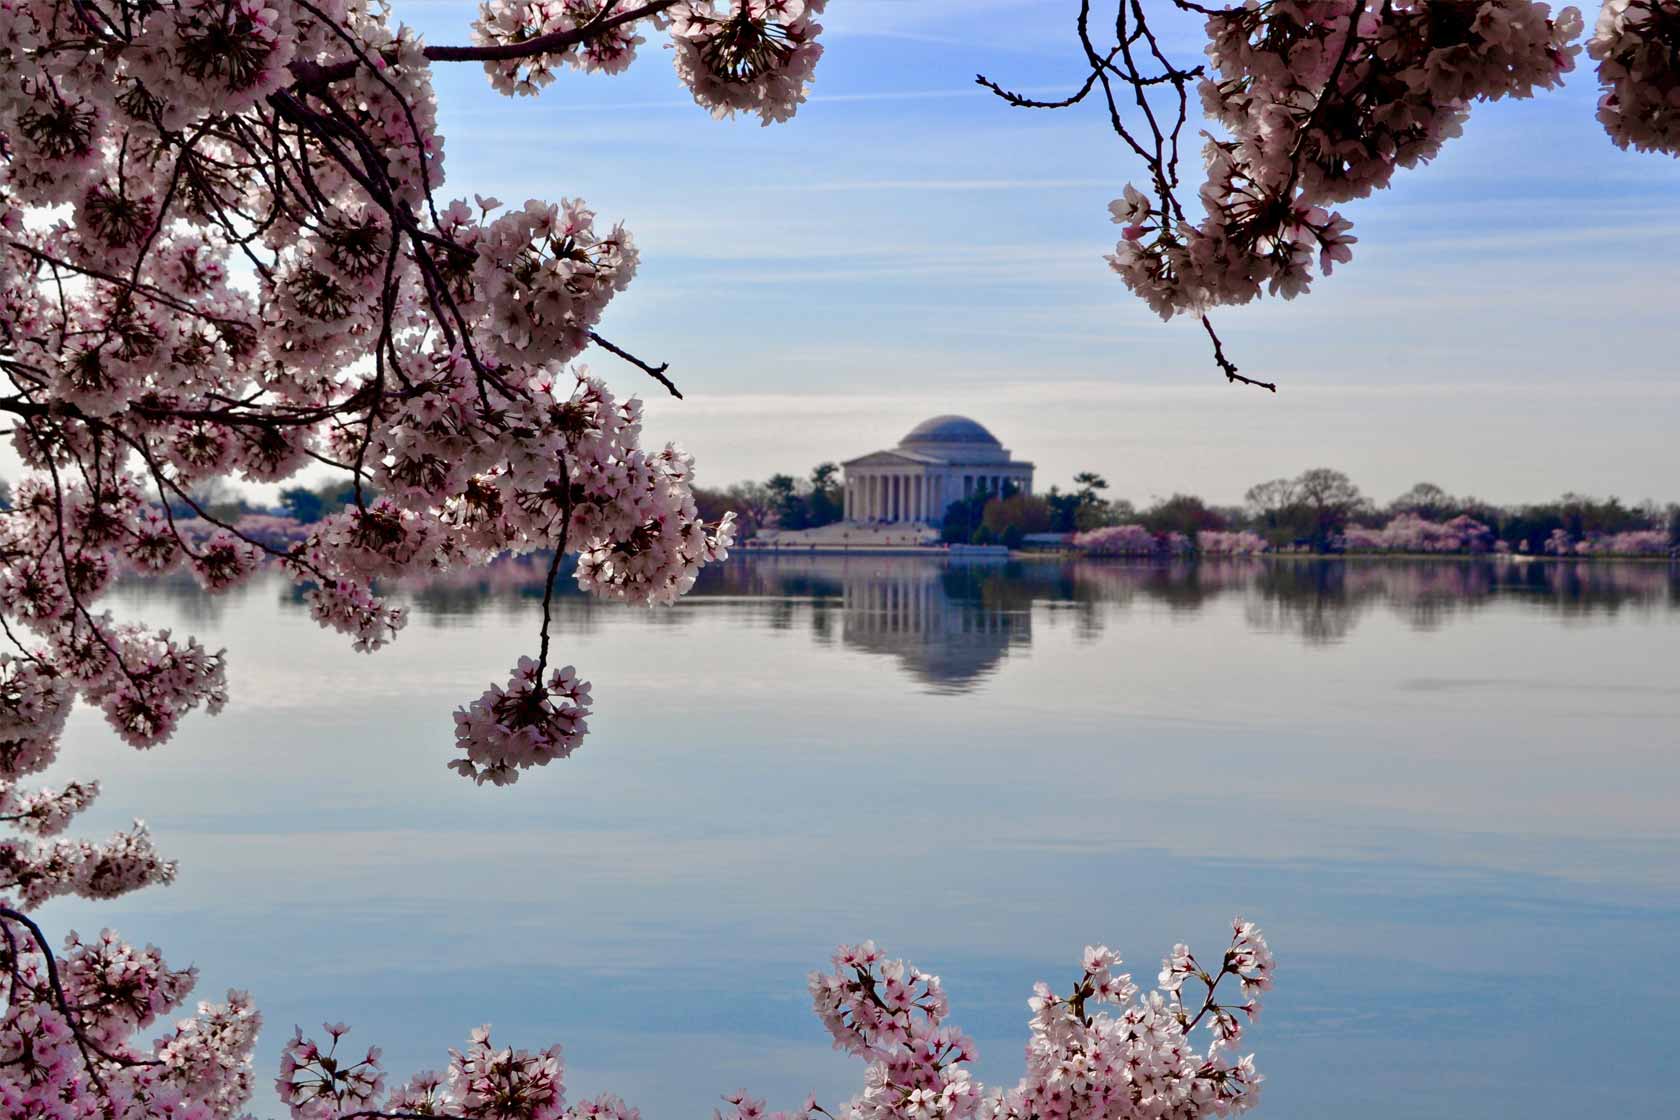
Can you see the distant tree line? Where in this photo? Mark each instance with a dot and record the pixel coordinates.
(310, 505)
(1314, 511)
(1311, 512)
(779, 502)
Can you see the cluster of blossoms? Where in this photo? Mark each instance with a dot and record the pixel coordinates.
(548, 276)
(753, 56)
(1130, 540)
(1412, 533)
(37, 863)
(222, 254)
(1323, 100)
(528, 723)
(1103, 1052)
(1219, 542)
(1637, 47)
(515, 22)
(483, 1082)
(747, 56)
(72, 1028)
(73, 1022)
(1639, 542)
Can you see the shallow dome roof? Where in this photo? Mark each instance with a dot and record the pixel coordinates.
(950, 429)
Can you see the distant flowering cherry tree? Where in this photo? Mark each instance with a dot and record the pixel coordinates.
(1411, 533)
(1321, 102)
(1130, 539)
(1241, 542)
(1638, 542)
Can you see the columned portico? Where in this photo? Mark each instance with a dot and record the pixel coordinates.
(941, 461)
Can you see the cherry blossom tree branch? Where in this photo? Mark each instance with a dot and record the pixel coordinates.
(311, 75)
(1225, 364)
(655, 372)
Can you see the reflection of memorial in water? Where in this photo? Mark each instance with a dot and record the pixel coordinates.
(937, 620)
(948, 624)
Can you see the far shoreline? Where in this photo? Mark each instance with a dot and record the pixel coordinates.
(981, 552)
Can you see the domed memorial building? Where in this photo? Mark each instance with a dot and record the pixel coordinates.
(939, 462)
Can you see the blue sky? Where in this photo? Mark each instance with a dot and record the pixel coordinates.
(909, 245)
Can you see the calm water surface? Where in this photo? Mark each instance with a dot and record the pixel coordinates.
(1448, 791)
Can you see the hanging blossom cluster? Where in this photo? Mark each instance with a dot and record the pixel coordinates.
(1319, 102)
(740, 56)
(1324, 102)
(752, 56)
(223, 254)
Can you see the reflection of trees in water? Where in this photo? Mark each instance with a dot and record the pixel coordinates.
(512, 586)
(180, 592)
(951, 623)
(1322, 600)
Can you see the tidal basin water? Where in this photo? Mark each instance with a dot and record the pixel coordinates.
(1449, 792)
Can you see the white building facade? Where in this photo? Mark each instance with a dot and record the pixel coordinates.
(942, 460)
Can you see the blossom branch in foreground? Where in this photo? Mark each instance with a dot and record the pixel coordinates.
(223, 253)
(1322, 102)
(1105, 1051)
(1102, 1052)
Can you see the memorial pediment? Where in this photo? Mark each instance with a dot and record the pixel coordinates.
(890, 459)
